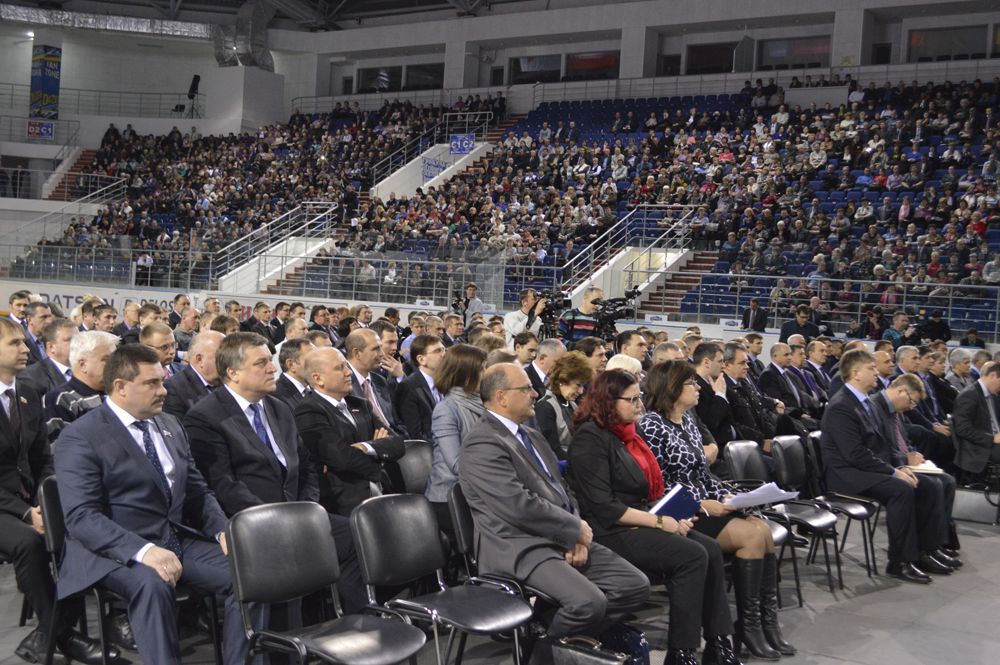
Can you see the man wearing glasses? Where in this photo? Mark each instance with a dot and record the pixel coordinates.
(161, 339)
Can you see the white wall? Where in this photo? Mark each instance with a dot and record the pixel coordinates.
(406, 180)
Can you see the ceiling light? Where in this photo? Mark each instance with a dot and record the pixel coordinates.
(30, 34)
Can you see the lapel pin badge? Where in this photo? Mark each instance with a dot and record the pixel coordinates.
(166, 434)
(23, 401)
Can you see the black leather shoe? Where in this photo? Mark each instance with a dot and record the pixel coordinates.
(120, 631)
(680, 657)
(947, 559)
(932, 566)
(906, 571)
(949, 551)
(80, 649)
(32, 647)
(719, 651)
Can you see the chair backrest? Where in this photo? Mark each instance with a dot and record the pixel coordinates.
(396, 536)
(815, 458)
(281, 551)
(789, 462)
(415, 466)
(462, 522)
(746, 461)
(52, 515)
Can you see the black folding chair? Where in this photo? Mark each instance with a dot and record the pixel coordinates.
(854, 508)
(281, 552)
(408, 474)
(397, 543)
(55, 536)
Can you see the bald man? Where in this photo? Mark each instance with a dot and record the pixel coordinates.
(363, 350)
(198, 378)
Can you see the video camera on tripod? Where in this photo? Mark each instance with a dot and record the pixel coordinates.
(610, 310)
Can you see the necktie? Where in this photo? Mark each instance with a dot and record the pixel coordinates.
(258, 427)
(533, 454)
(993, 414)
(810, 382)
(68, 374)
(932, 395)
(370, 396)
(13, 413)
(171, 543)
(900, 439)
(347, 413)
(791, 384)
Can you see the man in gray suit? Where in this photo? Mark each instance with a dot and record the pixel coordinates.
(528, 525)
(975, 416)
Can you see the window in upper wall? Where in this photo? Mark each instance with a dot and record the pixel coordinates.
(942, 44)
(794, 53)
(535, 69)
(380, 79)
(425, 77)
(710, 58)
(595, 66)
(668, 64)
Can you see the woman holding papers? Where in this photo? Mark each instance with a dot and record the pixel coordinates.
(616, 479)
(674, 437)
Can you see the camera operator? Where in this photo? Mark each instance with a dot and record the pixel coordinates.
(525, 319)
(470, 305)
(580, 322)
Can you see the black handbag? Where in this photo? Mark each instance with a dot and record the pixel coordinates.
(574, 650)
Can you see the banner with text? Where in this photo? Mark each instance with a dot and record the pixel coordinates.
(46, 66)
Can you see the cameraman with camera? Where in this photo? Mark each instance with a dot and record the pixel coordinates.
(470, 305)
(580, 322)
(527, 318)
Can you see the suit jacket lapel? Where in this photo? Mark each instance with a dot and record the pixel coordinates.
(123, 437)
(285, 443)
(425, 390)
(243, 425)
(512, 442)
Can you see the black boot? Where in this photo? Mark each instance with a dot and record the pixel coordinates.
(746, 575)
(680, 657)
(719, 651)
(769, 607)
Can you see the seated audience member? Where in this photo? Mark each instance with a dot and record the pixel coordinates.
(633, 343)
(319, 339)
(777, 383)
(454, 418)
(755, 346)
(147, 314)
(595, 350)
(22, 430)
(811, 394)
(858, 460)
(616, 478)
(525, 348)
(528, 524)
(85, 390)
(975, 419)
(891, 403)
(140, 523)
(160, 338)
(665, 351)
(392, 369)
(363, 350)
(198, 378)
(554, 411)
(293, 384)
(130, 319)
(713, 407)
(754, 416)
(54, 370)
(675, 442)
(936, 373)
(36, 315)
(416, 395)
(960, 375)
(416, 328)
(338, 429)
(225, 324)
(186, 329)
(453, 329)
(294, 329)
(245, 443)
(549, 351)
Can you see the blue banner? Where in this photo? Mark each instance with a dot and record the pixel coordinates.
(46, 65)
(462, 144)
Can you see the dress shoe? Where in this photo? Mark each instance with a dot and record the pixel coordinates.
(950, 561)
(32, 647)
(949, 551)
(719, 651)
(680, 657)
(80, 649)
(906, 571)
(120, 631)
(932, 566)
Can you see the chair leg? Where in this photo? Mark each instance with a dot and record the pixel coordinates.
(437, 643)
(517, 648)
(826, 559)
(847, 528)
(213, 628)
(102, 624)
(795, 571)
(836, 558)
(864, 544)
(461, 647)
(50, 639)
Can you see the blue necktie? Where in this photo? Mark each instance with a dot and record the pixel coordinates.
(258, 426)
(930, 393)
(533, 454)
(171, 543)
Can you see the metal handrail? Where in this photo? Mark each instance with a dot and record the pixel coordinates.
(36, 179)
(677, 236)
(83, 101)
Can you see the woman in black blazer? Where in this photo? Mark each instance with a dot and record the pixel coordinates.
(673, 435)
(615, 477)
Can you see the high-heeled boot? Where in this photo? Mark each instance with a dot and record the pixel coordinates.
(746, 575)
(769, 607)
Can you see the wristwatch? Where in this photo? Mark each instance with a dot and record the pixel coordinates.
(659, 522)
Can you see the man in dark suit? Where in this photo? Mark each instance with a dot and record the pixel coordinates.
(453, 329)
(55, 369)
(363, 349)
(776, 383)
(245, 442)
(340, 433)
(130, 320)
(198, 378)
(754, 316)
(800, 325)
(139, 517)
(293, 384)
(85, 390)
(749, 415)
(181, 302)
(260, 322)
(713, 408)
(858, 460)
(755, 346)
(37, 315)
(147, 314)
(160, 338)
(416, 394)
(25, 461)
(815, 366)
(976, 421)
(18, 301)
(527, 522)
(549, 352)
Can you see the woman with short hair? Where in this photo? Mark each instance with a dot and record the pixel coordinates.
(673, 436)
(554, 411)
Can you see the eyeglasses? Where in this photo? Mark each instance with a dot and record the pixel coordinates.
(166, 347)
(691, 383)
(634, 401)
(523, 389)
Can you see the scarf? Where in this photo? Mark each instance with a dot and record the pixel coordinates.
(644, 457)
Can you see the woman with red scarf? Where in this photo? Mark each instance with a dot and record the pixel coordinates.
(616, 478)
(675, 440)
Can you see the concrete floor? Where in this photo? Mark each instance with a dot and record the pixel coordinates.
(873, 621)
